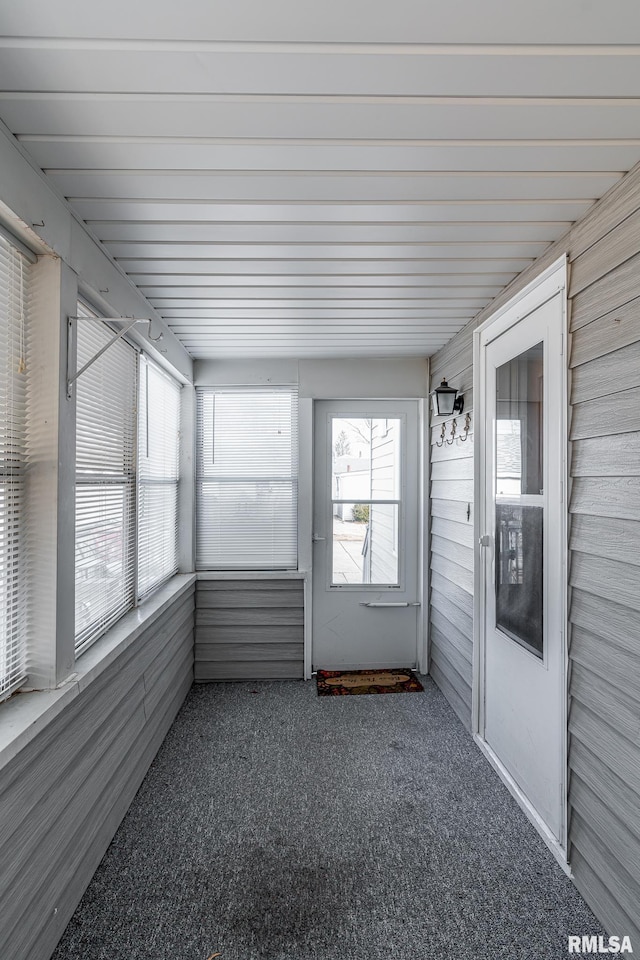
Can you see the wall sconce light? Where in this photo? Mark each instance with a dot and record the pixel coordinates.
(446, 401)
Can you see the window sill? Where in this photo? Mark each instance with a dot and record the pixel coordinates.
(251, 575)
(25, 715)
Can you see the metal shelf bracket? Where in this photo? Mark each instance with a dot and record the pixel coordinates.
(72, 375)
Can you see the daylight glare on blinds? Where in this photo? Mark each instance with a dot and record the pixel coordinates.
(158, 432)
(13, 277)
(247, 479)
(105, 482)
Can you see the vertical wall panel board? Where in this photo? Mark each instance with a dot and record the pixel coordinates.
(67, 791)
(604, 290)
(249, 629)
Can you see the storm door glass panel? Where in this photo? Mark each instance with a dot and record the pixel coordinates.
(365, 499)
(519, 499)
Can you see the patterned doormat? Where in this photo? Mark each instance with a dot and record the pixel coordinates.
(340, 683)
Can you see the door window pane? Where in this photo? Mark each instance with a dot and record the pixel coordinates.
(365, 484)
(365, 458)
(519, 574)
(519, 499)
(519, 458)
(365, 544)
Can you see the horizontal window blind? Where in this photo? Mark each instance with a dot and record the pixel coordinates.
(247, 478)
(105, 481)
(13, 572)
(158, 438)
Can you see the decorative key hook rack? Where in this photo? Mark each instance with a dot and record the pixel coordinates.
(454, 432)
(73, 375)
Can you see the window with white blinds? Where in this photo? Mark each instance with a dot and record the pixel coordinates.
(105, 481)
(247, 478)
(158, 434)
(13, 279)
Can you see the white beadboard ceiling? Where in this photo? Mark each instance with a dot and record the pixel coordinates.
(317, 180)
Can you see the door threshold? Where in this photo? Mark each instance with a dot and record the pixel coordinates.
(382, 665)
(523, 801)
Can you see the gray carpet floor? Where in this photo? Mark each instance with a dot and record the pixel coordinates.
(281, 825)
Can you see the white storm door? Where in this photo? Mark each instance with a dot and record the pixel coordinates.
(365, 561)
(523, 710)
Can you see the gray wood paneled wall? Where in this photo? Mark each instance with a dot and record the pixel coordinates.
(249, 629)
(63, 796)
(604, 653)
(451, 561)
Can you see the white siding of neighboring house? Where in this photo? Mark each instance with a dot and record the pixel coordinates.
(383, 521)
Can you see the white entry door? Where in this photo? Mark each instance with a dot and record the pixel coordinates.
(522, 681)
(366, 534)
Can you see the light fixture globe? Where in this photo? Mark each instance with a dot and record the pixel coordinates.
(446, 401)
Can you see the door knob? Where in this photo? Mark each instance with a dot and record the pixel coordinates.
(315, 539)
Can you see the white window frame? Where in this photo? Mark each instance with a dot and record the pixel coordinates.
(13, 456)
(126, 482)
(154, 474)
(203, 562)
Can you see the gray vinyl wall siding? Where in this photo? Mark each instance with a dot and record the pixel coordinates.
(604, 613)
(63, 796)
(451, 560)
(249, 629)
